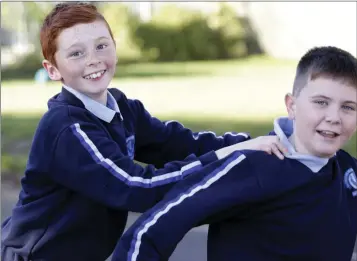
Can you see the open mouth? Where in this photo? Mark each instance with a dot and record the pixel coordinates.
(328, 134)
(95, 76)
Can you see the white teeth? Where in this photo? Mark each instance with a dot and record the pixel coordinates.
(328, 132)
(94, 75)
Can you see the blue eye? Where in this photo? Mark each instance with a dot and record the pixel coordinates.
(75, 54)
(102, 46)
(348, 108)
(321, 102)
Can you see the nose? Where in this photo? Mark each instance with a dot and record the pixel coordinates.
(92, 59)
(333, 115)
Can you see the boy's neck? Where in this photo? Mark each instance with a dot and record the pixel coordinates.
(101, 98)
(294, 142)
(297, 146)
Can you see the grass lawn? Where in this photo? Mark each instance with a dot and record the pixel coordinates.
(18, 129)
(168, 70)
(200, 68)
(249, 94)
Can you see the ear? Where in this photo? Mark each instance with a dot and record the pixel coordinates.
(52, 71)
(116, 59)
(290, 104)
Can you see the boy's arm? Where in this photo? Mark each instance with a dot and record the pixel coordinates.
(230, 182)
(87, 161)
(159, 142)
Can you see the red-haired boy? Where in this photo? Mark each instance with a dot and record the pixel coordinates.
(81, 180)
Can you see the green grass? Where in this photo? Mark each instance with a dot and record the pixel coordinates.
(176, 69)
(198, 68)
(18, 129)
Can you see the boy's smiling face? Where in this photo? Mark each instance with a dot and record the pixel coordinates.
(86, 58)
(324, 116)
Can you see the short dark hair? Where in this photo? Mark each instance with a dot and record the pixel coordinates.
(328, 62)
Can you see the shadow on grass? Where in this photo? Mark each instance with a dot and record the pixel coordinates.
(17, 132)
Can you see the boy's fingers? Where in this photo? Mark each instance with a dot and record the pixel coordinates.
(267, 149)
(277, 152)
(281, 147)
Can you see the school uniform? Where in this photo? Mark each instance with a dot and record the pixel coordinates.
(259, 208)
(80, 180)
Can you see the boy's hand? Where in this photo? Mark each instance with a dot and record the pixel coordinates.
(269, 144)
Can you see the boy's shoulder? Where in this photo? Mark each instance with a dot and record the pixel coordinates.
(261, 158)
(347, 162)
(117, 94)
(62, 110)
(345, 156)
(61, 114)
(274, 173)
(264, 164)
(123, 100)
(348, 166)
(56, 119)
(121, 97)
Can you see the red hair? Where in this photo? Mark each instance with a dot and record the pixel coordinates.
(63, 16)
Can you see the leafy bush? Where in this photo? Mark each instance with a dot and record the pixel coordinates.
(229, 33)
(179, 34)
(173, 34)
(123, 23)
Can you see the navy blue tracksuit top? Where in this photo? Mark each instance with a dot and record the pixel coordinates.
(259, 208)
(81, 180)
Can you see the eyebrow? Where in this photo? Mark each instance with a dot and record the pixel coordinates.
(328, 98)
(102, 37)
(73, 45)
(79, 44)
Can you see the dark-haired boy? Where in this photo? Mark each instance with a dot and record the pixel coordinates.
(263, 209)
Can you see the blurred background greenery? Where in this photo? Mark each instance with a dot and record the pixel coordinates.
(173, 33)
(213, 66)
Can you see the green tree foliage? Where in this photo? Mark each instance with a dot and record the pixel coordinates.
(179, 34)
(229, 31)
(123, 23)
(35, 13)
(173, 34)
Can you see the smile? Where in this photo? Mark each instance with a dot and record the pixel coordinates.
(328, 134)
(95, 75)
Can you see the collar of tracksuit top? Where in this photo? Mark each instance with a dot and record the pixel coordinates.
(105, 113)
(283, 128)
